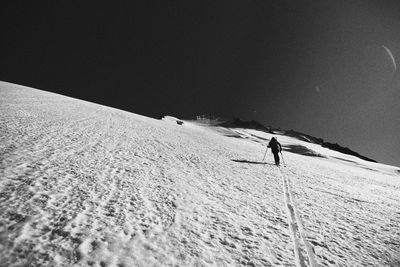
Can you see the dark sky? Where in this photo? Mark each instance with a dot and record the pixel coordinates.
(312, 66)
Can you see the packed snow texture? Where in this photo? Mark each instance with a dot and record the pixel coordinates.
(87, 185)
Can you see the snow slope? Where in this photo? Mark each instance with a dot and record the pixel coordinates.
(87, 185)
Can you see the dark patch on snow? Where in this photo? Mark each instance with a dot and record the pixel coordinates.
(235, 136)
(302, 150)
(251, 162)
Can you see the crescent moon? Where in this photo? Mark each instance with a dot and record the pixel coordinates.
(391, 56)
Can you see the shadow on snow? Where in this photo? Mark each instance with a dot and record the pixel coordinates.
(251, 162)
(302, 150)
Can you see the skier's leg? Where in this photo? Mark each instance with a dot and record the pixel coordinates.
(276, 157)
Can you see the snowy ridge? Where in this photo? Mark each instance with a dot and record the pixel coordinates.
(238, 123)
(87, 185)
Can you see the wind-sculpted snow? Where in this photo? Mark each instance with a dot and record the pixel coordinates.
(87, 185)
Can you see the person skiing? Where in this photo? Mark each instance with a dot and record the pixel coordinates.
(275, 148)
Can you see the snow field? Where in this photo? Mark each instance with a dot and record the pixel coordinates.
(87, 185)
(349, 208)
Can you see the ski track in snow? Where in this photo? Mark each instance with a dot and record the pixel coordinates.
(86, 185)
(296, 228)
(352, 215)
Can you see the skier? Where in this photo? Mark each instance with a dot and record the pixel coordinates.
(275, 148)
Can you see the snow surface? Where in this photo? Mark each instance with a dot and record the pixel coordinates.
(87, 185)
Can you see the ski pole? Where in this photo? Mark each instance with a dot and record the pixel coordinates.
(284, 163)
(265, 154)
